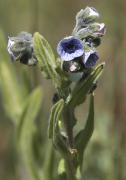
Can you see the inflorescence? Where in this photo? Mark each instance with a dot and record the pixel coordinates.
(77, 51)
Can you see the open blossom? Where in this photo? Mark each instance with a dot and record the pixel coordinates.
(70, 48)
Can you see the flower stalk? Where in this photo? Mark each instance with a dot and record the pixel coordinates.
(74, 75)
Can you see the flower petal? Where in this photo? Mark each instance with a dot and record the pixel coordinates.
(70, 48)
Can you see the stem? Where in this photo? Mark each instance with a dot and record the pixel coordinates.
(70, 169)
(69, 122)
(69, 127)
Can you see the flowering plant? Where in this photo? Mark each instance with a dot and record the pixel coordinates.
(74, 74)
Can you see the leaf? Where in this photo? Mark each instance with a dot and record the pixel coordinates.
(82, 88)
(50, 66)
(44, 55)
(49, 162)
(61, 167)
(26, 131)
(54, 117)
(53, 131)
(84, 135)
(12, 91)
(30, 112)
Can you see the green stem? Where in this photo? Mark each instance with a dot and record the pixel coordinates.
(70, 169)
(69, 122)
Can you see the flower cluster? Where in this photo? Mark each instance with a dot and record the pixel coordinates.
(81, 46)
(78, 51)
(21, 48)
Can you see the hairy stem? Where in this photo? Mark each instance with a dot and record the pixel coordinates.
(69, 127)
(69, 122)
(70, 169)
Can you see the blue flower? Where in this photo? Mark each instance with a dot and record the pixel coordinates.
(90, 59)
(70, 48)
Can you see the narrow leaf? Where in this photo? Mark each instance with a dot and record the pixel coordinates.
(82, 88)
(30, 112)
(84, 135)
(26, 131)
(44, 55)
(61, 167)
(54, 132)
(54, 116)
(12, 91)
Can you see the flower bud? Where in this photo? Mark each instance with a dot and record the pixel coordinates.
(21, 48)
(94, 30)
(90, 59)
(92, 41)
(87, 15)
(97, 29)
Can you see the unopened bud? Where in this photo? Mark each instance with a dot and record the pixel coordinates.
(21, 48)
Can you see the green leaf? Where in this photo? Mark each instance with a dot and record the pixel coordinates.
(49, 162)
(26, 130)
(13, 93)
(54, 117)
(49, 65)
(83, 87)
(53, 131)
(44, 55)
(84, 135)
(29, 113)
(61, 167)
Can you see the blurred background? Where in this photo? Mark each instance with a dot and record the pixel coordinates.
(105, 157)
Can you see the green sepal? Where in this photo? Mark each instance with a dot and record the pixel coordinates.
(83, 137)
(64, 80)
(83, 87)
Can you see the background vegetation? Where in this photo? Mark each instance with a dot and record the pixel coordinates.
(105, 156)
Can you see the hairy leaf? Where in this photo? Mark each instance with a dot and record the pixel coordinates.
(84, 135)
(26, 131)
(83, 87)
(54, 132)
(44, 55)
(55, 116)
(13, 92)
(50, 66)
